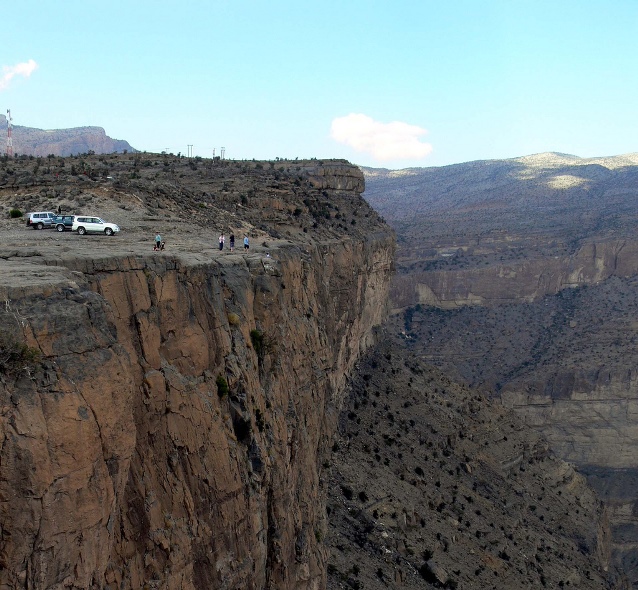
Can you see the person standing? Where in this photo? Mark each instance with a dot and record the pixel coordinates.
(158, 242)
(221, 242)
(246, 245)
(232, 242)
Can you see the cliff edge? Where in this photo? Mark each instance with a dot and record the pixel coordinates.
(169, 421)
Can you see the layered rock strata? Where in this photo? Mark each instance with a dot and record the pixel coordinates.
(175, 432)
(515, 281)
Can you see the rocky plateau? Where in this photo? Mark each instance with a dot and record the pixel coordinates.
(165, 416)
(31, 141)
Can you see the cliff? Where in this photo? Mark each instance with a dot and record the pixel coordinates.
(62, 142)
(525, 280)
(174, 433)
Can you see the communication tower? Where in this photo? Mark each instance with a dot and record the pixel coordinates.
(9, 138)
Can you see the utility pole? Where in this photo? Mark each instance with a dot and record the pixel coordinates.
(9, 138)
(223, 152)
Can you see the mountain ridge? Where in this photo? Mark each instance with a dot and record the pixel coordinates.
(63, 142)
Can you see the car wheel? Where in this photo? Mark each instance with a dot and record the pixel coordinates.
(108, 231)
(59, 227)
(40, 225)
(81, 231)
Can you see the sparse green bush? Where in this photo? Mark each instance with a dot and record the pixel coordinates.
(262, 343)
(222, 387)
(16, 356)
(15, 213)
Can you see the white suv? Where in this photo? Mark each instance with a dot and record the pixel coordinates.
(93, 225)
(40, 219)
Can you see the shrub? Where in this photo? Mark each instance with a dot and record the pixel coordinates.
(222, 387)
(262, 343)
(233, 319)
(16, 356)
(15, 213)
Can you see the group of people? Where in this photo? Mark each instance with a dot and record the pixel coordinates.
(231, 238)
(159, 244)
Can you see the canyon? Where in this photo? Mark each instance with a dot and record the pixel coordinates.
(204, 418)
(517, 278)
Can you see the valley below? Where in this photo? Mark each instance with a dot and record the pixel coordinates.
(517, 278)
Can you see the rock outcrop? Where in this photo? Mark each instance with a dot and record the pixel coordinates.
(63, 142)
(175, 433)
(516, 281)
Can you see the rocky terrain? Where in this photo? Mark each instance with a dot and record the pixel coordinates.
(172, 419)
(165, 417)
(61, 142)
(518, 278)
(434, 486)
(508, 230)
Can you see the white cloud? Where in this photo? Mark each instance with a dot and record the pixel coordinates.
(22, 69)
(384, 141)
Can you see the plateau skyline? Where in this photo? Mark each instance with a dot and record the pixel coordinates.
(390, 85)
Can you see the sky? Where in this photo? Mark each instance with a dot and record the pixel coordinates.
(388, 84)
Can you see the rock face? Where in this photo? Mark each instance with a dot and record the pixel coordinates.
(62, 142)
(516, 282)
(175, 433)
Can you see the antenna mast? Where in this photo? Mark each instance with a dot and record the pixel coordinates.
(9, 138)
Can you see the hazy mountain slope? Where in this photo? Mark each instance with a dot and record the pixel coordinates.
(434, 486)
(535, 261)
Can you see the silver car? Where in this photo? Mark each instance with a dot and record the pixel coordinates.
(40, 219)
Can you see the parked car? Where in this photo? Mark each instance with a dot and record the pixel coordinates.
(40, 219)
(63, 222)
(85, 224)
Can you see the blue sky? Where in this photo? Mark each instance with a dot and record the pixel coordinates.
(389, 84)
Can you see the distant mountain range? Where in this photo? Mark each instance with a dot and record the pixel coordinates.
(546, 180)
(60, 142)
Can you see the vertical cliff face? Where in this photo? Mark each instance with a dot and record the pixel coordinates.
(175, 433)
